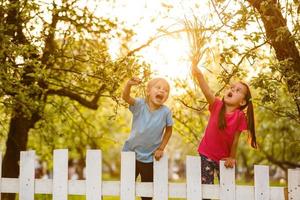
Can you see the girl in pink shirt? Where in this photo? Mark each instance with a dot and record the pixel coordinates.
(227, 120)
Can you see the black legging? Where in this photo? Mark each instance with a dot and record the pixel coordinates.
(146, 172)
(208, 169)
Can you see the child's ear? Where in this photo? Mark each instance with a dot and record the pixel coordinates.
(147, 90)
(243, 102)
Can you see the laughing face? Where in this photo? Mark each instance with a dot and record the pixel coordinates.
(235, 95)
(158, 92)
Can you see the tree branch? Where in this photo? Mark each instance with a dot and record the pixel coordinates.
(283, 164)
(92, 104)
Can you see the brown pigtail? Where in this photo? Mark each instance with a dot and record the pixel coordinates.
(250, 116)
(222, 120)
(251, 124)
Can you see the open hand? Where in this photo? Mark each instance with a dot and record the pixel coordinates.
(134, 81)
(158, 154)
(229, 162)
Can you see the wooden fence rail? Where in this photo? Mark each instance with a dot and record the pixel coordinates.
(94, 188)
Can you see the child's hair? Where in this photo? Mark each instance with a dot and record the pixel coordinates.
(250, 116)
(153, 81)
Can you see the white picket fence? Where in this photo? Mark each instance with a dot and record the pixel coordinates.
(93, 187)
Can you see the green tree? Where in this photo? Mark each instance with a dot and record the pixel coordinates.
(284, 42)
(278, 69)
(76, 128)
(262, 25)
(51, 51)
(255, 38)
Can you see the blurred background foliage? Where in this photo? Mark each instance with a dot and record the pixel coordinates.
(60, 87)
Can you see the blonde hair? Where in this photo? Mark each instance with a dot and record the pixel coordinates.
(153, 81)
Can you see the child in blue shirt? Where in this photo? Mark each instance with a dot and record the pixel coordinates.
(151, 125)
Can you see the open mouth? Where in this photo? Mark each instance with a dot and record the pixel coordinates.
(159, 97)
(229, 94)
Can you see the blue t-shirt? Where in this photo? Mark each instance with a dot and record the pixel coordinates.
(147, 129)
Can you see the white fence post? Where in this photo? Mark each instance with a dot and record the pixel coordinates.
(193, 178)
(261, 182)
(294, 184)
(127, 191)
(94, 188)
(93, 175)
(227, 182)
(26, 178)
(60, 174)
(160, 179)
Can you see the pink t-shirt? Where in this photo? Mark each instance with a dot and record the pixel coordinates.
(216, 143)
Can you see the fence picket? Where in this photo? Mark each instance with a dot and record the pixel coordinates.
(227, 182)
(261, 182)
(294, 184)
(93, 175)
(94, 188)
(160, 179)
(193, 178)
(127, 176)
(26, 190)
(60, 174)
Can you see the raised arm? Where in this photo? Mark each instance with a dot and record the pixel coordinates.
(210, 97)
(126, 92)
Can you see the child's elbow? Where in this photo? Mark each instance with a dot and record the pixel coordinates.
(127, 99)
(125, 96)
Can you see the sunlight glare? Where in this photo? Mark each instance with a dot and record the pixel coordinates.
(168, 57)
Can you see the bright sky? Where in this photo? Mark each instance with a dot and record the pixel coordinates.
(168, 56)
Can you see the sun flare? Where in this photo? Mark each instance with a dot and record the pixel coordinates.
(168, 56)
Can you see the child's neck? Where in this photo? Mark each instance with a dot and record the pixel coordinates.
(230, 108)
(152, 106)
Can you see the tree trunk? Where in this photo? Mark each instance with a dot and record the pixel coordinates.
(19, 128)
(247, 174)
(20, 124)
(282, 41)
